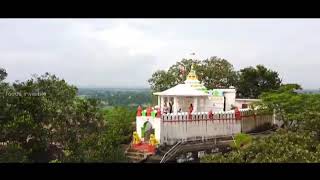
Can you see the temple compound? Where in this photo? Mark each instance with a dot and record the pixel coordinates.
(189, 112)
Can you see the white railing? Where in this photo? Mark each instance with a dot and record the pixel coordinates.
(175, 127)
(198, 116)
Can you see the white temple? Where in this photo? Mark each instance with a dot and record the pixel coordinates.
(212, 114)
(193, 92)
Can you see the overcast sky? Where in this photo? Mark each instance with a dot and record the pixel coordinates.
(125, 52)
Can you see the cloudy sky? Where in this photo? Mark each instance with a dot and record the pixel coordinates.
(125, 52)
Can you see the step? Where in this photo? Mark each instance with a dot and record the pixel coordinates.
(132, 150)
(129, 151)
(136, 155)
(135, 159)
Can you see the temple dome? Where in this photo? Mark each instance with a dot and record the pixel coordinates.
(191, 87)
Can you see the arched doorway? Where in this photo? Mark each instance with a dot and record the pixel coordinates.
(147, 130)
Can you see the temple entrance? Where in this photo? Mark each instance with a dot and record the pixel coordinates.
(147, 130)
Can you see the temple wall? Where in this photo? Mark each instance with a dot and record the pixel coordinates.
(199, 127)
(171, 128)
(230, 99)
(214, 105)
(180, 128)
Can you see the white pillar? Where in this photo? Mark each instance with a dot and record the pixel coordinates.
(230, 98)
(159, 101)
(162, 103)
(195, 104)
(175, 102)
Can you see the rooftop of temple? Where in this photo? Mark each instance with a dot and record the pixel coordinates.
(191, 87)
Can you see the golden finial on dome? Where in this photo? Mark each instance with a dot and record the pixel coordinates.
(192, 74)
(192, 67)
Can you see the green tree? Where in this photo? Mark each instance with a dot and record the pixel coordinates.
(282, 147)
(121, 120)
(3, 74)
(162, 80)
(13, 152)
(297, 141)
(287, 104)
(241, 140)
(46, 114)
(254, 81)
(217, 73)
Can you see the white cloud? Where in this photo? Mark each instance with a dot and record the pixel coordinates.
(116, 52)
(136, 41)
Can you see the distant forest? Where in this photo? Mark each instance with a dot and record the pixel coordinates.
(111, 97)
(118, 96)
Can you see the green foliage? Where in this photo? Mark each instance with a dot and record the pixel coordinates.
(162, 80)
(297, 141)
(282, 147)
(43, 120)
(118, 97)
(217, 73)
(3, 74)
(55, 161)
(241, 140)
(254, 81)
(13, 152)
(292, 108)
(121, 120)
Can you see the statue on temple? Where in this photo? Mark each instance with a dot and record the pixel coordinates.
(136, 139)
(153, 141)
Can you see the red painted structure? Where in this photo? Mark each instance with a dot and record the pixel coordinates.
(210, 114)
(237, 114)
(149, 109)
(144, 147)
(139, 111)
(159, 113)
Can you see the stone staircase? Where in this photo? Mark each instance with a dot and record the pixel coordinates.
(136, 156)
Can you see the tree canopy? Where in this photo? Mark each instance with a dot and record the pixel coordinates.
(43, 120)
(216, 72)
(213, 72)
(297, 141)
(254, 81)
(3, 74)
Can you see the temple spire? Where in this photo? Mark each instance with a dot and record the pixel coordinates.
(192, 74)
